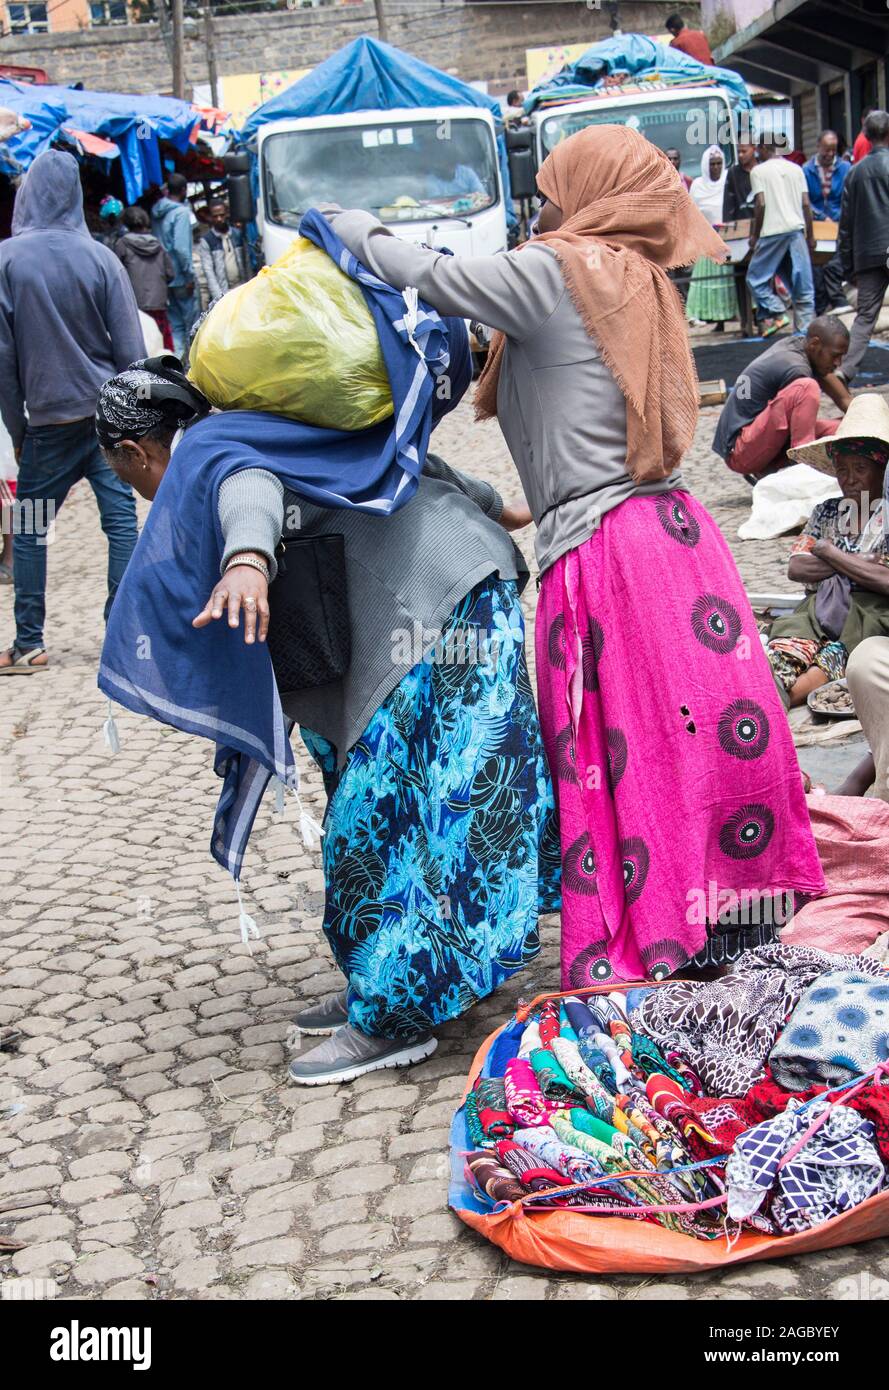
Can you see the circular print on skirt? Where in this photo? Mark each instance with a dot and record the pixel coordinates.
(677, 520)
(555, 643)
(743, 730)
(590, 966)
(617, 755)
(663, 958)
(566, 755)
(579, 867)
(747, 831)
(635, 860)
(592, 646)
(715, 623)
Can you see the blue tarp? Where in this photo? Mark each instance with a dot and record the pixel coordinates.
(368, 75)
(134, 123)
(641, 58)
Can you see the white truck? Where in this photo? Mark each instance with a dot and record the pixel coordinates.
(430, 173)
(688, 118)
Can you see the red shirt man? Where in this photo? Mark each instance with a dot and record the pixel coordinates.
(690, 41)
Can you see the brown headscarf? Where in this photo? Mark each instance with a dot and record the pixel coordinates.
(627, 221)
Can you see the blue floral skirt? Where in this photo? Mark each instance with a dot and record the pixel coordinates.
(440, 848)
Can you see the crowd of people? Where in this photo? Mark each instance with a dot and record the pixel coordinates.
(180, 256)
(459, 808)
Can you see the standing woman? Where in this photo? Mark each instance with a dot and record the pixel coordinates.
(676, 775)
(712, 297)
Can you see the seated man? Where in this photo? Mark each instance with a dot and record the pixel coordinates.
(774, 404)
(842, 558)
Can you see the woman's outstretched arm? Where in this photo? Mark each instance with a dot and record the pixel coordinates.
(515, 291)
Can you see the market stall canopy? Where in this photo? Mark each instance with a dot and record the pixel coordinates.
(644, 60)
(368, 75)
(134, 124)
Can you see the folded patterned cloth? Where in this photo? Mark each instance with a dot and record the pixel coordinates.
(648, 1059)
(490, 1100)
(548, 1022)
(495, 1180)
(473, 1123)
(837, 1168)
(767, 1098)
(839, 1029)
(526, 1103)
(533, 1175)
(530, 1040)
(552, 1079)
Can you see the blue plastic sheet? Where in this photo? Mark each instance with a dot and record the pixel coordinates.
(368, 75)
(641, 58)
(134, 123)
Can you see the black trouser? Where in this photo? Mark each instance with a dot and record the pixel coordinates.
(828, 285)
(872, 286)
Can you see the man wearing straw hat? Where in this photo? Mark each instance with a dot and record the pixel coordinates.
(842, 557)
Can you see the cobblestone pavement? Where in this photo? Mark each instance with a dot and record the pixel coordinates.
(155, 1149)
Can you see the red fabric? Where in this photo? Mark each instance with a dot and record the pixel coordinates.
(790, 419)
(548, 1023)
(694, 43)
(767, 1098)
(852, 836)
(163, 323)
(861, 148)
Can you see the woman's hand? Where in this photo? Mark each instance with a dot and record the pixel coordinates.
(240, 586)
(515, 515)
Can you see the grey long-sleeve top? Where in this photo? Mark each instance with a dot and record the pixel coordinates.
(561, 411)
(405, 574)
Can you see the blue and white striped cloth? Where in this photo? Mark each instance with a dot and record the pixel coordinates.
(208, 681)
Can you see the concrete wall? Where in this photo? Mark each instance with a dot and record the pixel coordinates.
(744, 12)
(473, 41)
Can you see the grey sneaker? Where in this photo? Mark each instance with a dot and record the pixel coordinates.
(331, 1012)
(348, 1054)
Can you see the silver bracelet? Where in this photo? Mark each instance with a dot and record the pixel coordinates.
(254, 564)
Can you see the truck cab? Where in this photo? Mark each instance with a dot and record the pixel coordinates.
(431, 174)
(686, 118)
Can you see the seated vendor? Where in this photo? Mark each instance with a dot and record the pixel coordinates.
(842, 557)
(773, 406)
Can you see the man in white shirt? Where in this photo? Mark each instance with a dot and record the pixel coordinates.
(781, 240)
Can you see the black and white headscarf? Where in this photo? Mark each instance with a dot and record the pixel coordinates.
(138, 400)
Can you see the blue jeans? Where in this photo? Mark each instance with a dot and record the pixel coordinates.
(53, 459)
(182, 312)
(787, 255)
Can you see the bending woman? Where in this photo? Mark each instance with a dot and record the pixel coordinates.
(439, 845)
(677, 780)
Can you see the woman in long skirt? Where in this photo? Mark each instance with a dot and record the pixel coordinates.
(677, 783)
(712, 297)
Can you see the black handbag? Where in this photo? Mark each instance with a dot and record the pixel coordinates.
(309, 637)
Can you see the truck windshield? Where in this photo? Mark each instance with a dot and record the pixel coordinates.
(402, 172)
(687, 125)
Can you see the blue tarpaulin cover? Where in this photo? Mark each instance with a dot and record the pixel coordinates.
(134, 123)
(641, 58)
(368, 75)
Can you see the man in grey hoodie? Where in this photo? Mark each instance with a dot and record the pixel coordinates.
(68, 321)
(171, 223)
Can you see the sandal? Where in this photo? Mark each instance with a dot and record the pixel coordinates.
(23, 663)
(771, 326)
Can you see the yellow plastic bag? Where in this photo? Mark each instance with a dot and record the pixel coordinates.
(298, 340)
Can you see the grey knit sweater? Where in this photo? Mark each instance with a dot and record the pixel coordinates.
(405, 572)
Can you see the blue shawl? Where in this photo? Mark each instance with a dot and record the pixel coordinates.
(209, 681)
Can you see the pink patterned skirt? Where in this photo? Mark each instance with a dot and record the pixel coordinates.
(678, 786)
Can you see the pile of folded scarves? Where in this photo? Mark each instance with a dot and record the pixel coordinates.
(761, 1097)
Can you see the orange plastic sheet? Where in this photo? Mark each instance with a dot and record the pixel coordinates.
(587, 1244)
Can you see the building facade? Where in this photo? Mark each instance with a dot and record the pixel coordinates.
(112, 45)
(830, 56)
